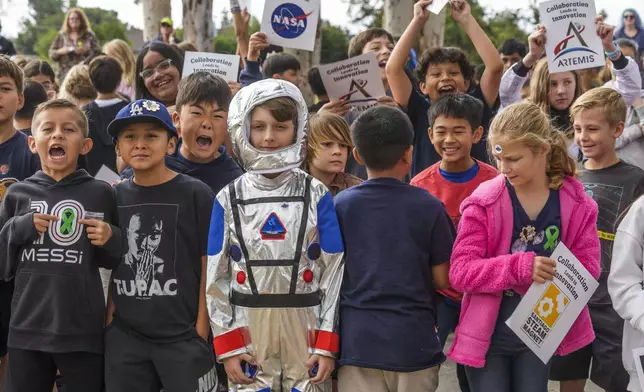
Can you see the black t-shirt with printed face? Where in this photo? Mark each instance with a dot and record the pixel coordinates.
(156, 287)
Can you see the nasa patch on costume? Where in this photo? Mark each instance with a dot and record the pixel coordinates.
(291, 23)
(572, 42)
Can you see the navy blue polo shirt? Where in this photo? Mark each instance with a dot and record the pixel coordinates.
(393, 234)
(17, 162)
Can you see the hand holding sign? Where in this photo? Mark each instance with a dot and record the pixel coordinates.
(543, 268)
(258, 42)
(421, 10)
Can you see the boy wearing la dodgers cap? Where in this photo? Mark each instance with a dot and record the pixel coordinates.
(158, 330)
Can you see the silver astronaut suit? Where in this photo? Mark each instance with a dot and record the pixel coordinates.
(275, 256)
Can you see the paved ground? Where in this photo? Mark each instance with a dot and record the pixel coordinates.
(449, 383)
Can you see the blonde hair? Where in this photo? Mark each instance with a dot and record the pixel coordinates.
(122, 52)
(84, 27)
(609, 101)
(77, 85)
(540, 87)
(527, 123)
(325, 127)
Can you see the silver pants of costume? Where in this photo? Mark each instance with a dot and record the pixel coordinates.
(282, 360)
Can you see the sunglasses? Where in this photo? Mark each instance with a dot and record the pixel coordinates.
(161, 67)
(629, 17)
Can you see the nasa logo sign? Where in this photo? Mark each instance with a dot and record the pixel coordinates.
(289, 20)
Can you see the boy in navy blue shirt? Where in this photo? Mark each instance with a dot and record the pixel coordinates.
(17, 163)
(201, 118)
(398, 240)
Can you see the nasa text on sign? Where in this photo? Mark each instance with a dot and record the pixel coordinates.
(291, 23)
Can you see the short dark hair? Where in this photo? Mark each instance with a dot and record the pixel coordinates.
(315, 81)
(204, 87)
(11, 70)
(35, 94)
(511, 46)
(458, 106)
(39, 67)
(382, 135)
(436, 56)
(164, 50)
(280, 63)
(105, 73)
(357, 44)
(627, 43)
(61, 104)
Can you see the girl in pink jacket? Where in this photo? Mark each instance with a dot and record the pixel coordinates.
(508, 230)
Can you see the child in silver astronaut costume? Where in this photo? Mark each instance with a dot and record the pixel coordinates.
(275, 257)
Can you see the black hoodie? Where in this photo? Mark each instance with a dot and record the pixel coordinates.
(58, 303)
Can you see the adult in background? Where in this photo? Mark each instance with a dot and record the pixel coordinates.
(74, 43)
(632, 29)
(158, 73)
(166, 33)
(6, 46)
(122, 52)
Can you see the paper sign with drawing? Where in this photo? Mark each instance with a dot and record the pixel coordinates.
(356, 80)
(572, 38)
(547, 311)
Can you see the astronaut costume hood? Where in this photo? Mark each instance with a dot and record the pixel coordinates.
(239, 120)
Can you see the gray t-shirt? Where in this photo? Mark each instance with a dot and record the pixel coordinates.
(614, 189)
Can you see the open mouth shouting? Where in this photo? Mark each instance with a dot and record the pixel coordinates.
(383, 63)
(56, 153)
(446, 90)
(204, 141)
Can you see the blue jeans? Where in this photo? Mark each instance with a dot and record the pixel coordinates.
(522, 371)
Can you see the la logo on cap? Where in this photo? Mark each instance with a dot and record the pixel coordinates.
(150, 106)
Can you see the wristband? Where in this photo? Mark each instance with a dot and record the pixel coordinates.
(614, 55)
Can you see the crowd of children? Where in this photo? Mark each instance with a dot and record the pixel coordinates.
(257, 243)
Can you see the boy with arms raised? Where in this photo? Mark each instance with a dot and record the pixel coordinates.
(598, 119)
(274, 253)
(60, 227)
(443, 71)
(159, 334)
(398, 240)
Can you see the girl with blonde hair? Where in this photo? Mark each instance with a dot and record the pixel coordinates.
(555, 92)
(122, 52)
(74, 43)
(509, 228)
(329, 146)
(77, 86)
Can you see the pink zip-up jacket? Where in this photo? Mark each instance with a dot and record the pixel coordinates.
(481, 266)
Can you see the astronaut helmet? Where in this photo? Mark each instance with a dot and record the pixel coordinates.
(252, 159)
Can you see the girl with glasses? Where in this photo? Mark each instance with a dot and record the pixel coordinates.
(158, 73)
(632, 29)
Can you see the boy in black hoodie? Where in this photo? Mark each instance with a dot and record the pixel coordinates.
(60, 227)
(105, 73)
(158, 338)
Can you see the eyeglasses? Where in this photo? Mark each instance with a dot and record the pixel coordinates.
(629, 17)
(161, 67)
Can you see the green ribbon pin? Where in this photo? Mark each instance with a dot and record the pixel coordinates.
(552, 235)
(68, 219)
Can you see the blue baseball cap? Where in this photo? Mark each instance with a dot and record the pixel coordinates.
(140, 111)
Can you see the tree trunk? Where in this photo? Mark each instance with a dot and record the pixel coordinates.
(397, 15)
(434, 30)
(197, 23)
(153, 12)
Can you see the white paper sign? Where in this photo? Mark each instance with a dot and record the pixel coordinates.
(572, 42)
(356, 80)
(437, 6)
(107, 175)
(547, 311)
(224, 65)
(291, 23)
(638, 356)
